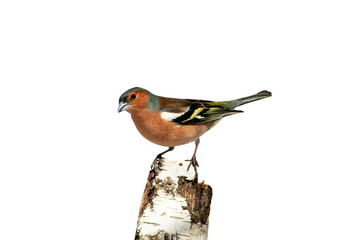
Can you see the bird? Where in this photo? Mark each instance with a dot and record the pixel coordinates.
(172, 122)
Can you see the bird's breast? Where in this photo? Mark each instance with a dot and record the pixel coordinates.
(165, 132)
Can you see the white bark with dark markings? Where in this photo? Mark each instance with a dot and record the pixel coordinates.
(174, 205)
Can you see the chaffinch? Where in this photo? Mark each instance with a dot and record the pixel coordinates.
(171, 122)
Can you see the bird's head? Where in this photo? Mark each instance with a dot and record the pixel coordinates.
(134, 98)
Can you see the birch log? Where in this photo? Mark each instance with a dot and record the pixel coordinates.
(174, 205)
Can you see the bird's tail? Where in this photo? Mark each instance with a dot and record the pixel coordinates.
(241, 101)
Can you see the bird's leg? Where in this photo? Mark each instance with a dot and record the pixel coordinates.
(159, 156)
(193, 161)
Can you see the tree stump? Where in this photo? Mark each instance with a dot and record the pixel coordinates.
(174, 205)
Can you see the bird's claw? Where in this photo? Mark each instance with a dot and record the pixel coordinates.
(159, 157)
(194, 163)
(155, 162)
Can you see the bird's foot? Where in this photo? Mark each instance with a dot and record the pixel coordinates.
(156, 162)
(195, 164)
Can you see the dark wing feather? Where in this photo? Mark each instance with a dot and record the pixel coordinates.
(204, 111)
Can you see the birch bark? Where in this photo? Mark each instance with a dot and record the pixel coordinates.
(174, 206)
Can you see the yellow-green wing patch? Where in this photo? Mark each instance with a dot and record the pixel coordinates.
(204, 111)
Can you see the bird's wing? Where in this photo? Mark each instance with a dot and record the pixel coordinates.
(197, 112)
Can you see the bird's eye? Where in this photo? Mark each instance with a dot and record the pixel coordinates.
(133, 96)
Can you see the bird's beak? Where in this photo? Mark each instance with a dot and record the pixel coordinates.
(123, 106)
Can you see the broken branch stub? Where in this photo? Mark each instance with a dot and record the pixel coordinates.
(174, 205)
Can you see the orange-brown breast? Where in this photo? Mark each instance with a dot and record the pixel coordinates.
(163, 132)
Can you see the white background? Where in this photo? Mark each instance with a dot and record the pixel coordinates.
(72, 168)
